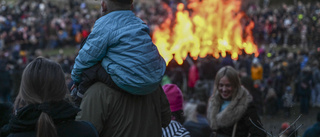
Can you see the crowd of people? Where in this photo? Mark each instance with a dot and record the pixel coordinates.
(276, 79)
(289, 25)
(30, 25)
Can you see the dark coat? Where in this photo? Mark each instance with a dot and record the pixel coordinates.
(117, 113)
(305, 78)
(313, 131)
(200, 128)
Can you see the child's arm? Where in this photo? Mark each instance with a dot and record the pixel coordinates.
(93, 51)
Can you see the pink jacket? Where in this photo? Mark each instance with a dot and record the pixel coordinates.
(193, 76)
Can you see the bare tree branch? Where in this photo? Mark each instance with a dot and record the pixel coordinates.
(271, 135)
(295, 130)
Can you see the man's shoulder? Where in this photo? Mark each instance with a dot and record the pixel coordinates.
(100, 89)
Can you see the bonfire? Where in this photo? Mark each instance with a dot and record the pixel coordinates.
(205, 27)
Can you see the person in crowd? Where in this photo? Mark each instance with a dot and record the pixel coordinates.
(255, 92)
(244, 62)
(41, 108)
(120, 50)
(175, 98)
(304, 82)
(270, 100)
(230, 108)
(278, 84)
(193, 77)
(5, 81)
(256, 70)
(253, 89)
(313, 131)
(287, 99)
(316, 88)
(207, 72)
(227, 60)
(201, 90)
(199, 127)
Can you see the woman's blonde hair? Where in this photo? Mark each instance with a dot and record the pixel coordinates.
(233, 77)
(42, 81)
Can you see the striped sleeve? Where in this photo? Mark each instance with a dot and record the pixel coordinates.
(175, 129)
(183, 133)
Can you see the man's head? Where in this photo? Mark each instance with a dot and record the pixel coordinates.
(108, 6)
(121, 1)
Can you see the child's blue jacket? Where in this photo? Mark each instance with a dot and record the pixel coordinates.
(122, 42)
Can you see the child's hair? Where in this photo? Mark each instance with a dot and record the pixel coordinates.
(42, 81)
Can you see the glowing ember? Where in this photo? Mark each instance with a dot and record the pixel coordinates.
(208, 27)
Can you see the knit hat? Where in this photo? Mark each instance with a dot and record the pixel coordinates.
(174, 96)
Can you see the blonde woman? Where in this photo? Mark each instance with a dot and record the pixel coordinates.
(230, 109)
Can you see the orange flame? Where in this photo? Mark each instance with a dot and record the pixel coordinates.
(209, 27)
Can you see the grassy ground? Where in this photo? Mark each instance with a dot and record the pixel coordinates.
(67, 51)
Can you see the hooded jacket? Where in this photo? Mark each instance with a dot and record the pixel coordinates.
(122, 43)
(240, 111)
